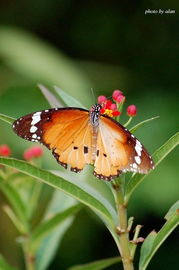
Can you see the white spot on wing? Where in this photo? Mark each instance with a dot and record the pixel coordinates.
(35, 118)
(34, 136)
(138, 159)
(138, 149)
(138, 143)
(134, 165)
(33, 129)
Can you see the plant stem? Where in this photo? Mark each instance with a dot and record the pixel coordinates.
(29, 256)
(122, 228)
(128, 122)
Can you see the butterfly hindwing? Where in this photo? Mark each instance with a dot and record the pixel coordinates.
(121, 151)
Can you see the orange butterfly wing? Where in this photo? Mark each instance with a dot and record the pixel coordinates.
(118, 150)
(67, 132)
(69, 135)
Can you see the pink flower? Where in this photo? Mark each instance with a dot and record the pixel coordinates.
(5, 151)
(132, 110)
(102, 99)
(120, 98)
(116, 93)
(113, 107)
(33, 152)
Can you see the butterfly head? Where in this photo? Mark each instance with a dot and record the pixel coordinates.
(94, 114)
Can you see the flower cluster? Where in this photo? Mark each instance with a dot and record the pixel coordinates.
(114, 109)
(33, 152)
(29, 154)
(5, 151)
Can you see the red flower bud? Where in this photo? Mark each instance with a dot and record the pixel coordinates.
(120, 98)
(33, 152)
(102, 99)
(102, 111)
(131, 110)
(5, 151)
(108, 104)
(116, 93)
(116, 113)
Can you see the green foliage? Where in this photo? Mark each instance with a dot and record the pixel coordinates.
(26, 54)
(16, 202)
(84, 193)
(47, 226)
(4, 265)
(68, 99)
(49, 245)
(59, 183)
(133, 129)
(154, 240)
(97, 265)
(172, 210)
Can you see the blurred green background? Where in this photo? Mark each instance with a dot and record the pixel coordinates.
(104, 45)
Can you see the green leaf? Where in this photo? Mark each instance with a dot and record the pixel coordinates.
(46, 227)
(7, 119)
(146, 247)
(49, 246)
(133, 129)
(15, 201)
(50, 97)
(17, 223)
(97, 265)
(153, 246)
(60, 183)
(4, 265)
(172, 210)
(69, 100)
(158, 156)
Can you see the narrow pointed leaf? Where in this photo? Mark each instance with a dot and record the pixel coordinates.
(50, 244)
(133, 129)
(17, 223)
(97, 265)
(50, 97)
(158, 156)
(7, 119)
(147, 247)
(4, 265)
(59, 183)
(68, 100)
(49, 225)
(160, 237)
(16, 202)
(172, 210)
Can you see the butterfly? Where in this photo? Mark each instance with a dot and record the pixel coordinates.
(78, 137)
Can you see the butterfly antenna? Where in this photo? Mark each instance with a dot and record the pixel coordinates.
(93, 95)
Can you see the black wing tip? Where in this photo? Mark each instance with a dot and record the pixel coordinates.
(75, 169)
(106, 178)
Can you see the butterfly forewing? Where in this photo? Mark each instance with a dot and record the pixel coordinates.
(66, 132)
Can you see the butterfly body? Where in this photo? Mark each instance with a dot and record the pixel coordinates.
(78, 137)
